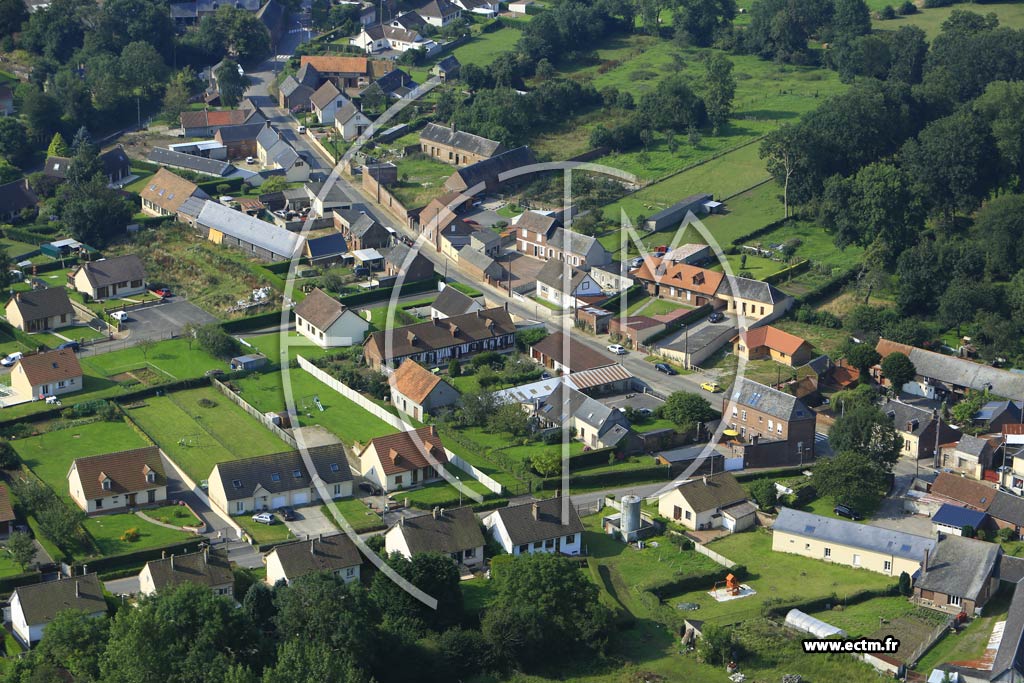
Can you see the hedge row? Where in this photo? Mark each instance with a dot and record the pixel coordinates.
(667, 588)
(781, 608)
(608, 478)
(253, 322)
(26, 235)
(279, 268)
(145, 166)
(593, 458)
(384, 293)
(787, 272)
(139, 558)
(613, 303)
(828, 289)
(781, 473)
(154, 221)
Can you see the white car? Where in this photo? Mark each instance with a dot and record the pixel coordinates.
(119, 316)
(250, 160)
(11, 359)
(263, 518)
(301, 129)
(618, 349)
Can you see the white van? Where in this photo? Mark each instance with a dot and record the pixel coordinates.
(119, 316)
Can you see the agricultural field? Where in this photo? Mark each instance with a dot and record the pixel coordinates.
(1011, 15)
(199, 428)
(342, 417)
(50, 454)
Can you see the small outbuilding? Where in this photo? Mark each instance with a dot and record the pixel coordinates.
(252, 361)
(802, 621)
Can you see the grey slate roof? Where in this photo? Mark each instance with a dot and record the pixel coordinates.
(453, 302)
(1011, 568)
(903, 414)
(489, 170)
(1008, 508)
(677, 211)
(459, 139)
(243, 227)
(346, 112)
(771, 401)
(327, 553)
(277, 148)
(289, 85)
(454, 531)
(393, 80)
(241, 132)
(42, 601)
(553, 274)
(330, 463)
(865, 536)
(320, 309)
(438, 9)
(114, 270)
(972, 445)
(711, 493)
(192, 206)
(960, 566)
(755, 290)
(43, 303)
(479, 259)
(191, 162)
(449, 63)
(115, 161)
(960, 371)
(523, 528)
(573, 242)
(591, 412)
(325, 94)
(209, 568)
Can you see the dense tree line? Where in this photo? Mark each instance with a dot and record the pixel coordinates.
(319, 628)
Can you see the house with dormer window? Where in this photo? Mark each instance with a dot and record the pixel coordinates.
(403, 459)
(113, 482)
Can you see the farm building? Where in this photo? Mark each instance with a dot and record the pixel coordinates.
(222, 225)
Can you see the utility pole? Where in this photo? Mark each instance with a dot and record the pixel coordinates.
(938, 431)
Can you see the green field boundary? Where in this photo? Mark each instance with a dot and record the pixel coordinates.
(135, 366)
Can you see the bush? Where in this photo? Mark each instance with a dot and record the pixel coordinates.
(130, 535)
(887, 12)
(764, 493)
(1005, 535)
(967, 531)
(206, 403)
(905, 586)
(215, 341)
(981, 535)
(8, 456)
(907, 8)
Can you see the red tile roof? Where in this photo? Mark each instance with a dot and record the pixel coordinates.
(414, 381)
(51, 366)
(773, 338)
(968, 491)
(680, 275)
(333, 64)
(405, 451)
(6, 511)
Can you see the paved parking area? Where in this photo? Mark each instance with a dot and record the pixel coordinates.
(160, 322)
(485, 217)
(311, 522)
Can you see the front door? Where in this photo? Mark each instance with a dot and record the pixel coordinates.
(415, 476)
(151, 496)
(130, 500)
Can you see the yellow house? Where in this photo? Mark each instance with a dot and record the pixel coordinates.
(112, 277)
(865, 546)
(752, 298)
(40, 309)
(50, 373)
(772, 343)
(708, 503)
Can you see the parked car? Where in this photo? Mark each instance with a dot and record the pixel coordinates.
(163, 292)
(666, 368)
(370, 488)
(11, 359)
(716, 317)
(637, 262)
(713, 387)
(361, 271)
(287, 514)
(73, 345)
(644, 412)
(263, 518)
(618, 349)
(119, 316)
(250, 160)
(847, 511)
(301, 129)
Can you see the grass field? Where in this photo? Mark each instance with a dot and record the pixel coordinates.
(50, 454)
(107, 530)
(341, 416)
(76, 333)
(173, 514)
(171, 358)
(270, 346)
(420, 180)
(199, 437)
(816, 245)
(441, 493)
(722, 177)
(863, 619)
(14, 248)
(356, 513)
(485, 47)
(930, 21)
(758, 267)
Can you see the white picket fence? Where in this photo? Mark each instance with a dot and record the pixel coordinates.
(393, 420)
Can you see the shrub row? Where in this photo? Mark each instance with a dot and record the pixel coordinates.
(138, 558)
(607, 478)
(667, 588)
(25, 235)
(253, 322)
(384, 293)
(828, 289)
(788, 272)
(613, 303)
(594, 458)
(778, 609)
(9, 583)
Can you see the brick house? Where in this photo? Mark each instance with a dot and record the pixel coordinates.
(774, 428)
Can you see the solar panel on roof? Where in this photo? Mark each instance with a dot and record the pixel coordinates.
(809, 529)
(904, 548)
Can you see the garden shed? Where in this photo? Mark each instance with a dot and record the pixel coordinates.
(802, 621)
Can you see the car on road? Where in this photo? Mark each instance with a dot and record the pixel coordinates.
(618, 349)
(666, 368)
(716, 317)
(163, 292)
(119, 316)
(644, 412)
(250, 160)
(11, 359)
(263, 517)
(73, 345)
(301, 129)
(847, 511)
(370, 488)
(713, 387)
(287, 514)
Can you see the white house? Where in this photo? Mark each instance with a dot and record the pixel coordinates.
(110, 277)
(487, 8)
(381, 38)
(208, 567)
(419, 392)
(350, 121)
(115, 481)
(403, 459)
(451, 302)
(326, 101)
(274, 152)
(439, 13)
(327, 322)
(51, 373)
(455, 533)
(34, 606)
(537, 527)
(336, 554)
(560, 284)
(714, 502)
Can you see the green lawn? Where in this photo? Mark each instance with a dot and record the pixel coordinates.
(107, 530)
(757, 266)
(8, 567)
(420, 179)
(172, 358)
(816, 245)
(1010, 15)
(863, 618)
(76, 333)
(442, 493)
(264, 533)
(356, 513)
(14, 248)
(270, 346)
(476, 594)
(50, 454)
(773, 575)
(173, 514)
(198, 437)
(341, 416)
(485, 47)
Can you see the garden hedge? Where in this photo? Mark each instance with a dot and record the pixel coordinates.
(138, 558)
(253, 322)
(384, 293)
(778, 610)
(609, 479)
(786, 273)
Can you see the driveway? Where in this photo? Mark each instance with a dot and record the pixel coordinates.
(311, 522)
(159, 322)
(890, 513)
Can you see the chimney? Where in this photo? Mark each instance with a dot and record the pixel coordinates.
(78, 590)
(910, 426)
(924, 569)
(401, 521)
(536, 512)
(440, 514)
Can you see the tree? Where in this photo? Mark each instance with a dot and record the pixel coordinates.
(433, 573)
(244, 35)
(477, 408)
(686, 410)
(300, 661)
(258, 605)
(918, 272)
(868, 432)
(850, 479)
(142, 68)
(464, 651)
(275, 183)
(12, 15)
(40, 111)
(322, 608)
(215, 341)
(510, 417)
(906, 588)
(700, 20)
(8, 456)
(999, 228)
(860, 356)
(145, 346)
(958, 303)
(74, 642)
(13, 140)
(898, 369)
(781, 150)
(715, 645)
(851, 18)
(963, 412)
(997, 106)
(764, 493)
(230, 83)
(22, 548)
(93, 212)
(672, 105)
(546, 461)
(719, 89)
(58, 147)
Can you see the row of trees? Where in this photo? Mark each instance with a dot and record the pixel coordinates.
(322, 629)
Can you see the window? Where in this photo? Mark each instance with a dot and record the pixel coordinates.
(807, 546)
(237, 483)
(471, 553)
(61, 384)
(744, 416)
(953, 600)
(297, 474)
(276, 476)
(350, 572)
(856, 560)
(688, 515)
(771, 424)
(887, 566)
(569, 540)
(239, 506)
(106, 484)
(398, 480)
(337, 489)
(677, 512)
(778, 428)
(524, 548)
(524, 232)
(99, 503)
(538, 545)
(334, 467)
(828, 552)
(150, 477)
(734, 411)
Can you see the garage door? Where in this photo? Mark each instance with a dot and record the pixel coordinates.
(278, 502)
(300, 498)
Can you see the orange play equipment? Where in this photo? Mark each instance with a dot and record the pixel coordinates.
(732, 586)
